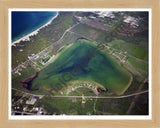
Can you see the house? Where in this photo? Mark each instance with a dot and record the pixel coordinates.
(33, 100)
(30, 56)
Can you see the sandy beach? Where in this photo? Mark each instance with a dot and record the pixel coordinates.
(26, 37)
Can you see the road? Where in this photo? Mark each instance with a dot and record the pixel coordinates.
(67, 31)
(27, 93)
(102, 97)
(105, 97)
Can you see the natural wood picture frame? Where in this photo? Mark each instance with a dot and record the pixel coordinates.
(4, 60)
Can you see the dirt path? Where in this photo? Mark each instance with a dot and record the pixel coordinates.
(94, 107)
(134, 101)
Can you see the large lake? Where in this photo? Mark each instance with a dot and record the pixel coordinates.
(101, 69)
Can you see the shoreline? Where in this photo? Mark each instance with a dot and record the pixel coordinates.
(35, 32)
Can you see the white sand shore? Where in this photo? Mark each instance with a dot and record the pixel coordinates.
(26, 38)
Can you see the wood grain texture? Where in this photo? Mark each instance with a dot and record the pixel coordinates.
(6, 4)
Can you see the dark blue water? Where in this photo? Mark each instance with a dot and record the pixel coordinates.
(26, 22)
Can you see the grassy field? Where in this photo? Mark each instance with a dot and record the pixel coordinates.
(139, 66)
(91, 32)
(74, 106)
(101, 69)
(140, 53)
(113, 106)
(68, 106)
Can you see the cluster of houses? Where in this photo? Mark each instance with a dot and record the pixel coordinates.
(23, 65)
(79, 85)
(33, 56)
(18, 69)
(119, 55)
(131, 20)
(29, 110)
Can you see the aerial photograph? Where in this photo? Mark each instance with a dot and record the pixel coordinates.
(84, 62)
